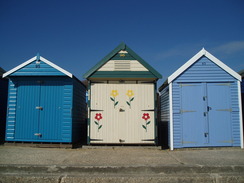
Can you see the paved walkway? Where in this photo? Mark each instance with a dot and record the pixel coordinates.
(203, 164)
(121, 156)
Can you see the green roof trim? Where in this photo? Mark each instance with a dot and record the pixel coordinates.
(121, 46)
(122, 74)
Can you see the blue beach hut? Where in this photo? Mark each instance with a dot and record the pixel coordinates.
(45, 103)
(201, 103)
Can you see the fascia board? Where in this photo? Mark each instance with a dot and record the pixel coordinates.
(33, 59)
(56, 67)
(195, 58)
(185, 66)
(19, 67)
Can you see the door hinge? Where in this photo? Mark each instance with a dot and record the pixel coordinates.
(182, 111)
(229, 110)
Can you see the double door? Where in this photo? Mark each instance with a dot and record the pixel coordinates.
(39, 109)
(206, 114)
(122, 112)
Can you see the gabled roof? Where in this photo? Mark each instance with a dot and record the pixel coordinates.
(123, 47)
(37, 58)
(195, 58)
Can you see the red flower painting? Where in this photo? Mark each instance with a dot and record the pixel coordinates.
(146, 116)
(98, 117)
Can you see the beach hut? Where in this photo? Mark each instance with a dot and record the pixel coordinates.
(3, 104)
(201, 103)
(122, 99)
(45, 103)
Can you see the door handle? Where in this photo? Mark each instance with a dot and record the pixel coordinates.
(39, 107)
(38, 134)
(121, 110)
(205, 134)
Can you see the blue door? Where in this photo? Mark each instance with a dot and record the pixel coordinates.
(27, 114)
(219, 114)
(192, 109)
(206, 114)
(39, 110)
(51, 115)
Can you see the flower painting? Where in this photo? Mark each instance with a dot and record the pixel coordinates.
(146, 117)
(130, 94)
(113, 95)
(98, 117)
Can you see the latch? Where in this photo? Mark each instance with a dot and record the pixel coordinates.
(38, 134)
(120, 140)
(121, 110)
(205, 134)
(205, 114)
(39, 107)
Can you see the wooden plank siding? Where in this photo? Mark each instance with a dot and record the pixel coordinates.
(204, 104)
(205, 71)
(45, 103)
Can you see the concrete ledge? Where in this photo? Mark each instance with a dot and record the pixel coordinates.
(139, 174)
(230, 178)
(39, 169)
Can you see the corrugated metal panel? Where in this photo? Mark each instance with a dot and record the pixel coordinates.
(204, 70)
(122, 106)
(37, 69)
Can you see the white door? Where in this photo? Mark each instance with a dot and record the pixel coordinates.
(122, 112)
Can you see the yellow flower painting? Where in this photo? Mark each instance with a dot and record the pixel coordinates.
(130, 94)
(114, 94)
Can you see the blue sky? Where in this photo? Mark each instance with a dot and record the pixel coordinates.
(76, 34)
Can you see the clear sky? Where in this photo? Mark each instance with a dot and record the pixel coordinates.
(76, 34)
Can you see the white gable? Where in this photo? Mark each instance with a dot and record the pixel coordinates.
(33, 59)
(195, 58)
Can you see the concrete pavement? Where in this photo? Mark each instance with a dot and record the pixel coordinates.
(121, 164)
